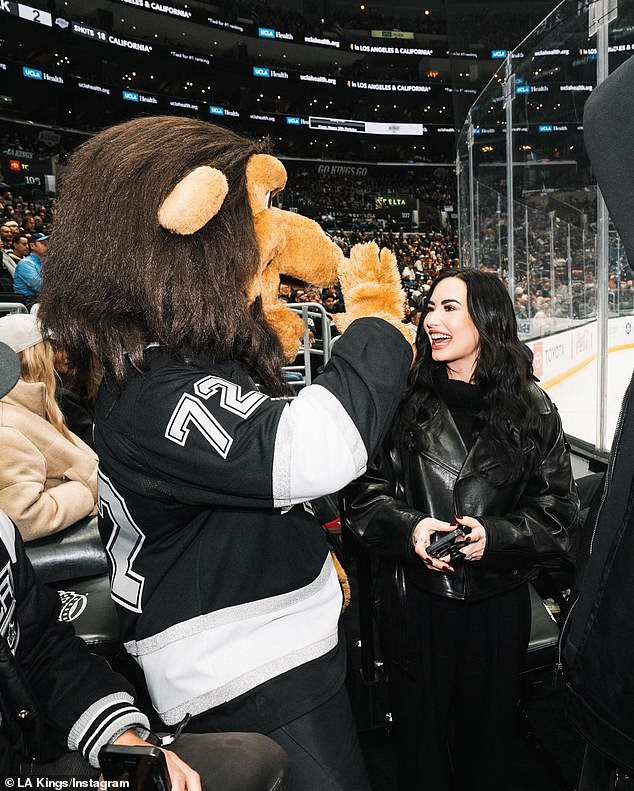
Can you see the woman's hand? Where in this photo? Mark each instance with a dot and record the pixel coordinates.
(476, 540)
(421, 539)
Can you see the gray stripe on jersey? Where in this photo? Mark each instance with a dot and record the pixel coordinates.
(228, 615)
(318, 448)
(281, 472)
(212, 659)
(248, 681)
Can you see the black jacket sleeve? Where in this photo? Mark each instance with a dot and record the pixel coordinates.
(83, 700)
(538, 528)
(376, 512)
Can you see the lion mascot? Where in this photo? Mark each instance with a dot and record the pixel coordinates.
(163, 267)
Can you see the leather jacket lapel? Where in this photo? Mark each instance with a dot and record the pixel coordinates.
(443, 446)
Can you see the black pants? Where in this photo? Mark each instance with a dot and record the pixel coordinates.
(323, 748)
(462, 671)
(225, 762)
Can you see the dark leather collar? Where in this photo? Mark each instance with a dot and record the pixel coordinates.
(447, 449)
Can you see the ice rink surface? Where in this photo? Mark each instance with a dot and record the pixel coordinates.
(576, 396)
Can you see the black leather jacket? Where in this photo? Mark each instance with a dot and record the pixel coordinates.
(526, 522)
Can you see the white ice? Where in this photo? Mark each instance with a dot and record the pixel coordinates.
(576, 397)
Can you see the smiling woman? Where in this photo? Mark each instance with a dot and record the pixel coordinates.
(453, 336)
(475, 445)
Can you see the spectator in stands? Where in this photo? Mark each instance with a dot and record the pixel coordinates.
(27, 280)
(409, 275)
(415, 316)
(542, 324)
(521, 303)
(48, 476)
(13, 226)
(284, 292)
(474, 434)
(329, 301)
(8, 264)
(19, 247)
(6, 235)
(28, 223)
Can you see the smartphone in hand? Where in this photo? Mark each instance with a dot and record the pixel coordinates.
(444, 543)
(144, 767)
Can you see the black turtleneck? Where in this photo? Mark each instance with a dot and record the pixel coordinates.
(463, 400)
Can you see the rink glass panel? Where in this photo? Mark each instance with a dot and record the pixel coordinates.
(552, 262)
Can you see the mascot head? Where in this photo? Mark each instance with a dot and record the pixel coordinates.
(164, 233)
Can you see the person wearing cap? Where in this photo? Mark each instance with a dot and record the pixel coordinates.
(48, 476)
(27, 280)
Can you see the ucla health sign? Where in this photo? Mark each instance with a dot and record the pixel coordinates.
(269, 32)
(498, 54)
(261, 71)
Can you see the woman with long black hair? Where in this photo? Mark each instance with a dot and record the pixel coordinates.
(475, 445)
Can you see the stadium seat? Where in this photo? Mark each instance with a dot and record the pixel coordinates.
(544, 638)
(70, 554)
(554, 578)
(73, 562)
(86, 603)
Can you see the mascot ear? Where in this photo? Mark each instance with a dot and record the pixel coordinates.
(266, 176)
(194, 201)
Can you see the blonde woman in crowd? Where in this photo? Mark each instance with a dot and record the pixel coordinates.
(48, 476)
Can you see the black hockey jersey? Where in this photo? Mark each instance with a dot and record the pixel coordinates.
(223, 581)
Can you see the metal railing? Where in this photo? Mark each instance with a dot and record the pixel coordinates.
(315, 349)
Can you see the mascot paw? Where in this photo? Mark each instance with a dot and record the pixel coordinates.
(371, 286)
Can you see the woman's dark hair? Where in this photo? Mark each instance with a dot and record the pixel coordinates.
(504, 371)
(115, 280)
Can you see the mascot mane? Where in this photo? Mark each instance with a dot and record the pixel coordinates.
(165, 234)
(115, 279)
